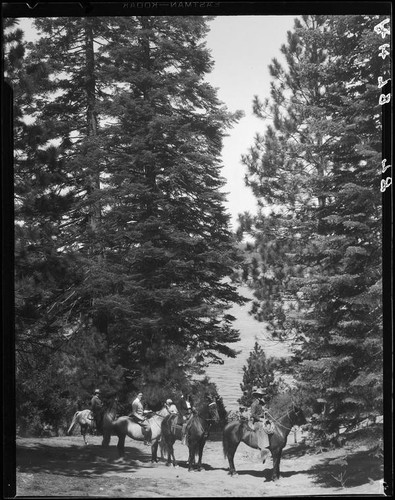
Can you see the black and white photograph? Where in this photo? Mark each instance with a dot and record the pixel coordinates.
(197, 202)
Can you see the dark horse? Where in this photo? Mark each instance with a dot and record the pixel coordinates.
(238, 431)
(197, 432)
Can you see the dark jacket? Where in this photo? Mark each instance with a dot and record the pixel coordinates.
(96, 405)
(183, 408)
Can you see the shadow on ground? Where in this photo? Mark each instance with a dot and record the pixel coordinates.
(183, 464)
(351, 469)
(295, 451)
(356, 470)
(78, 461)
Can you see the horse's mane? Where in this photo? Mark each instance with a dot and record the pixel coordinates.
(197, 421)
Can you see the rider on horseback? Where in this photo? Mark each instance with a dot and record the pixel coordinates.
(258, 414)
(97, 411)
(171, 407)
(185, 408)
(138, 415)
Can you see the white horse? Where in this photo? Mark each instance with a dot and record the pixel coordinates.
(125, 426)
(86, 421)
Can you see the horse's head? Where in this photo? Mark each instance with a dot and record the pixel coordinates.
(298, 415)
(110, 412)
(213, 412)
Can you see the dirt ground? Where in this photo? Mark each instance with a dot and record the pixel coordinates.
(64, 466)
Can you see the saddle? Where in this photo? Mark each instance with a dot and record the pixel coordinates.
(266, 425)
(136, 420)
(262, 435)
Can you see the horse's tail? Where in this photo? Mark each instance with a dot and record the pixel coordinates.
(225, 442)
(73, 422)
(165, 434)
(164, 445)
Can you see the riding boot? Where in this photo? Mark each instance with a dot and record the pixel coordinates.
(183, 434)
(147, 437)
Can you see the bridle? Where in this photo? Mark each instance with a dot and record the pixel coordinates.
(210, 418)
(212, 406)
(285, 414)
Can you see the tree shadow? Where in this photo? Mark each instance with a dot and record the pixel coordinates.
(267, 473)
(205, 467)
(295, 451)
(360, 467)
(78, 461)
(250, 472)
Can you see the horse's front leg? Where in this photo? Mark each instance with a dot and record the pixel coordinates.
(106, 438)
(231, 456)
(154, 451)
(276, 464)
(199, 464)
(191, 459)
(173, 456)
(171, 459)
(83, 433)
(162, 451)
(121, 445)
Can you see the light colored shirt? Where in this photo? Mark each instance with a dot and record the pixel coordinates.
(138, 409)
(172, 408)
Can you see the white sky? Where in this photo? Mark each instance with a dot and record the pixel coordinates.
(242, 48)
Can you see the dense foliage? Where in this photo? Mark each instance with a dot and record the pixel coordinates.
(122, 246)
(259, 371)
(315, 263)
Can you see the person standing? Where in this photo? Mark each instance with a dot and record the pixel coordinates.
(139, 417)
(97, 411)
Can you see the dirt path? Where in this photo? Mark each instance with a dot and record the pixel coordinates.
(63, 466)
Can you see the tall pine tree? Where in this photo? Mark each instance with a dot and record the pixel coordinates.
(317, 261)
(121, 226)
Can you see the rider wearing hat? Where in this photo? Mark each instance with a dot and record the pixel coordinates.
(258, 408)
(258, 415)
(97, 411)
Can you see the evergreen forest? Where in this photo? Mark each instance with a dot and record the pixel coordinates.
(125, 263)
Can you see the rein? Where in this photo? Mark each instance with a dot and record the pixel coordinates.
(210, 418)
(277, 419)
(158, 415)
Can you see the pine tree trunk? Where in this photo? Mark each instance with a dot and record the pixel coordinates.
(91, 115)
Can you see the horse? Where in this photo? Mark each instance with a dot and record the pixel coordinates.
(197, 432)
(125, 426)
(86, 421)
(238, 431)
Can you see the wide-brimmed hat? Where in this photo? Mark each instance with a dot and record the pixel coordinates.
(259, 391)
(169, 401)
(97, 391)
